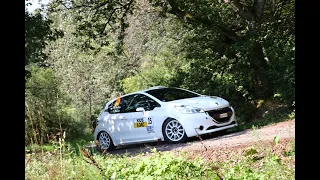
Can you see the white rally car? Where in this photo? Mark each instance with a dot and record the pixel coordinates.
(161, 113)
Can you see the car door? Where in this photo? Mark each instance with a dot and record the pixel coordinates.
(128, 126)
(142, 122)
(114, 124)
(124, 120)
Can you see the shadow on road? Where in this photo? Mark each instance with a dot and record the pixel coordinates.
(132, 150)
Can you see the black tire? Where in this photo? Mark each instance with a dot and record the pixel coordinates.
(173, 131)
(104, 142)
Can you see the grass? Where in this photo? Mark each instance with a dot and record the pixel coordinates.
(254, 162)
(259, 162)
(267, 114)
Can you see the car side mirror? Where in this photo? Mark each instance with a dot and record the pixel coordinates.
(140, 109)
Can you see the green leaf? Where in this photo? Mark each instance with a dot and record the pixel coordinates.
(251, 151)
(114, 175)
(276, 139)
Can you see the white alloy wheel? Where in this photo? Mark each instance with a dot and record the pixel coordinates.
(105, 141)
(174, 131)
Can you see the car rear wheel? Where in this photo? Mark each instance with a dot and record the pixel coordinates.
(104, 142)
(173, 131)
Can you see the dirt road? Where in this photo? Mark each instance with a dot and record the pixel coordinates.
(218, 142)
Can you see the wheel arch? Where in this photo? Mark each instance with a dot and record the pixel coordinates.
(104, 130)
(168, 118)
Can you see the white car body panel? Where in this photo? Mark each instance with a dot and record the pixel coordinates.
(121, 126)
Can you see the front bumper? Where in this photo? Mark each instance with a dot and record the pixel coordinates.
(193, 122)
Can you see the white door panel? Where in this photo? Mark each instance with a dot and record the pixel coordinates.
(115, 127)
(130, 126)
(138, 127)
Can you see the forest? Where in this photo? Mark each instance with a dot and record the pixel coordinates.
(80, 54)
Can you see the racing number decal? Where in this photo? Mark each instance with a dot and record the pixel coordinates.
(150, 126)
(140, 123)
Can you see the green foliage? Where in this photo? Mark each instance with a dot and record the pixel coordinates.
(271, 112)
(276, 139)
(96, 20)
(256, 62)
(154, 76)
(243, 172)
(153, 166)
(236, 51)
(47, 108)
(90, 77)
(250, 151)
(256, 164)
(37, 34)
(165, 166)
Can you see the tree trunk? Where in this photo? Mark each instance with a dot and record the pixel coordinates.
(260, 76)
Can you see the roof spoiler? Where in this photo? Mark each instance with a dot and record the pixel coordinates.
(157, 87)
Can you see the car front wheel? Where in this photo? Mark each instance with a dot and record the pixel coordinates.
(173, 131)
(104, 142)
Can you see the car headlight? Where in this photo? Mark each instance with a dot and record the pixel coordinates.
(189, 109)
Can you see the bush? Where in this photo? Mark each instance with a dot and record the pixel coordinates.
(48, 111)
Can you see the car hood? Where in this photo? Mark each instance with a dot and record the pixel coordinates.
(203, 102)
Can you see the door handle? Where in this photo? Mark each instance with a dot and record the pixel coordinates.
(122, 118)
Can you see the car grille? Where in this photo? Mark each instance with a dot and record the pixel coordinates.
(215, 114)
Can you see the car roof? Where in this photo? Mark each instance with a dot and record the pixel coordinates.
(144, 90)
(141, 91)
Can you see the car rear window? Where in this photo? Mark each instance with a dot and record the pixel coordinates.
(171, 94)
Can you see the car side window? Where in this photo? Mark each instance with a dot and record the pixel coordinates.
(120, 104)
(114, 107)
(127, 100)
(141, 100)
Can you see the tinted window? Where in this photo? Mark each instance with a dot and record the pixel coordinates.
(171, 94)
(131, 103)
(113, 108)
(120, 104)
(140, 100)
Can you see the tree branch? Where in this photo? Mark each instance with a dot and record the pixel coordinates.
(108, 21)
(175, 10)
(126, 7)
(258, 7)
(241, 10)
(87, 5)
(193, 20)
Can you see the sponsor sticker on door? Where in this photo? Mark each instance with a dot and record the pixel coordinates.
(139, 123)
(150, 129)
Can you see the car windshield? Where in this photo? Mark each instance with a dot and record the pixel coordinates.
(171, 94)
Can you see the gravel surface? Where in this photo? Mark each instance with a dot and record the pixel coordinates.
(216, 141)
(217, 145)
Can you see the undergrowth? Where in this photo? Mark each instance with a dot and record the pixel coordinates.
(276, 162)
(258, 163)
(270, 112)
